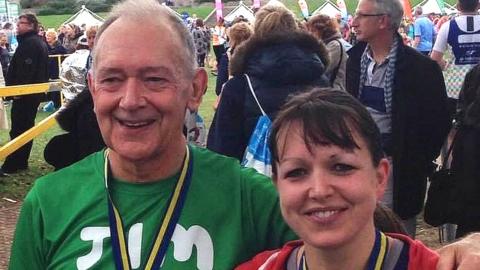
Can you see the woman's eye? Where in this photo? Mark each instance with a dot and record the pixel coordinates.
(342, 168)
(299, 172)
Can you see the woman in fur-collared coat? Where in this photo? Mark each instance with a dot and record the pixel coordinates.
(278, 61)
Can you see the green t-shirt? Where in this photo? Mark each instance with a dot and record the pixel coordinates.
(230, 214)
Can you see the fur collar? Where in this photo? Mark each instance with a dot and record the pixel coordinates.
(306, 41)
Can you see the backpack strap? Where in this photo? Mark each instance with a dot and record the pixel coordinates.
(335, 71)
(253, 94)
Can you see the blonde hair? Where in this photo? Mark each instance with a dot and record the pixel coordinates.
(51, 32)
(274, 19)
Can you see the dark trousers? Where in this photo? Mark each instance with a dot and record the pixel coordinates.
(201, 60)
(219, 50)
(23, 113)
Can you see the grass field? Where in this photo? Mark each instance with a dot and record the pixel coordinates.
(202, 11)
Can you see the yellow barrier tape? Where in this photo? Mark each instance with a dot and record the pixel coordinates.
(27, 136)
(24, 89)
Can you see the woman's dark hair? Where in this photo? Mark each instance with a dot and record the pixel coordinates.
(387, 221)
(328, 117)
(199, 22)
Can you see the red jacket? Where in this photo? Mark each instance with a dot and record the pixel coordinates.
(420, 256)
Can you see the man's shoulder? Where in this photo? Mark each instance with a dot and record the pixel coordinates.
(81, 173)
(212, 165)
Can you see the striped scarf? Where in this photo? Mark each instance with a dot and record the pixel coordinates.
(389, 74)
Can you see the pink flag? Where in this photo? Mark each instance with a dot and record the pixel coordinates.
(219, 9)
(303, 8)
(343, 8)
(256, 3)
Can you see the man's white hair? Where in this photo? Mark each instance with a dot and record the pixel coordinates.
(392, 8)
(148, 11)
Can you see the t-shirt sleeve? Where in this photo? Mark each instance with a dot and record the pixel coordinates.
(442, 37)
(27, 249)
(264, 217)
(418, 29)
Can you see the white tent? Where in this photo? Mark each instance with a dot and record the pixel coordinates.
(328, 8)
(431, 6)
(275, 3)
(85, 16)
(240, 10)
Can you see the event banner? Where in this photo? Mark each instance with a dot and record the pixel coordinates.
(343, 8)
(304, 8)
(219, 9)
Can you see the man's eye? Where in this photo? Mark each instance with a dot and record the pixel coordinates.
(110, 80)
(342, 168)
(154, 79)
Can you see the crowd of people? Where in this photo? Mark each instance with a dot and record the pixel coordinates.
(354, 130)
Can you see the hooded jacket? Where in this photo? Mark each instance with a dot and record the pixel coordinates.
(278, 65)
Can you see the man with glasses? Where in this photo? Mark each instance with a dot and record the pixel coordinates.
(405, 94)
(29, 65)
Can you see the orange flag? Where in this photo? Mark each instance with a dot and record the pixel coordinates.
(407, 9)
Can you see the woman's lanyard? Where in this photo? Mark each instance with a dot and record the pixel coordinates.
(164, 232)
(377, 256)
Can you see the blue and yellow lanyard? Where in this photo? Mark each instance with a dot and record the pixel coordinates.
(377, 256)
(165, 231)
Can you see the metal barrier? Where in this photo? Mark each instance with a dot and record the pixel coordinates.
(45, 124)
(38, 129)
(27, 136)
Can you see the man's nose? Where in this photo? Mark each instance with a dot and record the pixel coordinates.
(133, 95)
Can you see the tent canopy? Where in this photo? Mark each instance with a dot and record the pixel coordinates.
(240, 10)
(328, 8)
(85, 16)
(432, 6)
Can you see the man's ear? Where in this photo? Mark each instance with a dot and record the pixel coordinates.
(199, 85)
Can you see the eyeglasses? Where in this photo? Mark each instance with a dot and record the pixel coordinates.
(20, 22)
(359, 15)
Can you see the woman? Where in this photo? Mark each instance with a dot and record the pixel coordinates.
(330, 172)
(237, 34)
(327, 30)
(219, 38)
(72, 34)
(54, 48)
(4, 53)
(279, 59)
(199, 34)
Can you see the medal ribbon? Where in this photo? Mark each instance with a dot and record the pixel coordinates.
(377, 256)
(165, 231)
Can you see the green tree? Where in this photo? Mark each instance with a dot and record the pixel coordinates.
(26, 3)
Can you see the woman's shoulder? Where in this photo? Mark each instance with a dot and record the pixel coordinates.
(271, 259)
(419, 255)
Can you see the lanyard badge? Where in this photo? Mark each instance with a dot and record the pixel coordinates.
(164, 232)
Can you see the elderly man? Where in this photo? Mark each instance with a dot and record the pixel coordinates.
(150, 200)
(405, 94)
